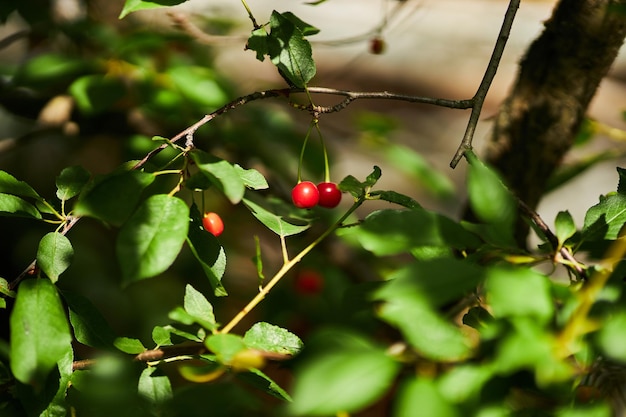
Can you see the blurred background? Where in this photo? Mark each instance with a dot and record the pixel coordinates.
(81, 87)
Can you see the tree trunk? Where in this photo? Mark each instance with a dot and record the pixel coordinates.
(558, 76)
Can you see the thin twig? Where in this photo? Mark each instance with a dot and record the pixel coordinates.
(554, 241)
(483, 88)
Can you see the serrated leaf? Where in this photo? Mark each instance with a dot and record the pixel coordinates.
(40, 333)
(252, 178)
(71, 182)
(90, 327)
(113, 197)
(389, 232)
(10, 185)
(199, 308)
(564, 226)
(222, 173)
(273, 221)
(289, 51)
(346, 380)
(490, 200)
(270, 338)
(207, 249)
(151, 239)
(605, 219)
(15, 206)
(156, 389)
(54, 255)
(129, 345)
(136, 5)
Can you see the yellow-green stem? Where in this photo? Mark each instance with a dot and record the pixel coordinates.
(285, 268)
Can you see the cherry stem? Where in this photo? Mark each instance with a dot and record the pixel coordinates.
(287, 266)
(306, 139)
(326, 164)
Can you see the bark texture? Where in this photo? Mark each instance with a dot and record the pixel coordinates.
(558, 76)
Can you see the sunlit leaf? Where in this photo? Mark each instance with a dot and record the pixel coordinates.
(156, 389)
(564, 226)
(490, 200)
(421, 397)
(129, 345)
(54, 255)
(199, 307)
(612, 336)
(15, 206)
(605, 219)
(289, 50)
(225, 346)
(252, 178)
(136, 5)
(10, 185)
(273, 221)
(151, 239)
(222, 173)
(389, 232)
(270, 338)
(40, 333)
(342, 381)
(519, 292)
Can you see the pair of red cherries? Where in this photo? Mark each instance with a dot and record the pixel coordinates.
(307, 195)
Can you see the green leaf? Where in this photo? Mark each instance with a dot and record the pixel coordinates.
(390, 232)
(40, 334)
(490, 200)
(612, 336)
(90, 327)
(270, 338)
(439, 281)
(10, 185)
(274, 222)
(519, 292)
(564, 226)
(305, 28)
(260, 381)
(464, 382)
(113, 197)
(199, 308)
(396, 198)
(207, 250)
(129, 345)
(5, 290)
(136, 5)
(156, 389)
(421, 397)
(54, 255)
(344, 380)
(289, 50)
(199, 85)
(225, 346)
(15, 206)
(252, 178)
(96, 93)
(258, 42)
(412, 163)
(605, 219)
(431, 335)
(222, 173)
(71, 182)
(151, 239)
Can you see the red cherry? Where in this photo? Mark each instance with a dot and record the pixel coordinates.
(377, 46)
(213, 223)
(330, 196)
(309, 282)
(305, 195)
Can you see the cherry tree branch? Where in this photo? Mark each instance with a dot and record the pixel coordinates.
(483, 88)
